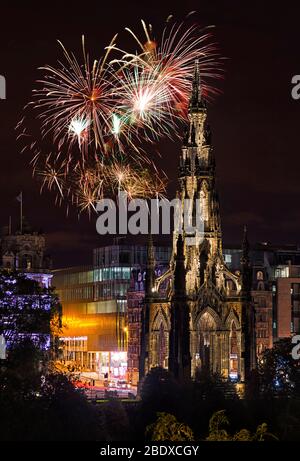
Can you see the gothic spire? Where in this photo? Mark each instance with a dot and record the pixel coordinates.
(196, 101)
(245, 247)
(179, 273)
(193, 135)
(145, 315)
(150, 269)
(179, 338)
(186, 135)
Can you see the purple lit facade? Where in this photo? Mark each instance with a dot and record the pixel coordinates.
(22, 260)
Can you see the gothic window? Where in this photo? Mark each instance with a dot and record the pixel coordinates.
(207, 328)
(233, 372)
(204, 204)
(260, 349)
(262, 333)
(259, 275)
(261, 286)
(230, 285)
(27, 262)
(233, 340)
(262, 302)
(162, 346)
(261, 318)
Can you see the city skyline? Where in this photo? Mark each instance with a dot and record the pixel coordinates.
(149, 224)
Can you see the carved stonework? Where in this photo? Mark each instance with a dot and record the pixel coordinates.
(215, 301)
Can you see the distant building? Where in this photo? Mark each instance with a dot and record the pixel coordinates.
(275, 292)
(275, 289)
(24, 253)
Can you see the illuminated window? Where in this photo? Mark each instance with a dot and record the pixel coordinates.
(260, 275)
(228, 258)
(282, 272)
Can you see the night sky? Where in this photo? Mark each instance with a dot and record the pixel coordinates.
(255, 121)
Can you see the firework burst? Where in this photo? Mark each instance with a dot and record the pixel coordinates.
(52, 177)
(143, 104)
(98, 116)
(136, 180)
(75, 102)
(156, 92)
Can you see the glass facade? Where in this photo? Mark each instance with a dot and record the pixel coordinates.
(112, 273)
(108, 366)
(94, 300)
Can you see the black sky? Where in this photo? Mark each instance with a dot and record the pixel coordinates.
(255, 122)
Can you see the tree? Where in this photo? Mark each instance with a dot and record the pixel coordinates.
(116, 421)
(279, 372)
(167, 428)
(159, 389)
(37, 404)
(20, 373)
(27, 310)
(213, 386)
(218, 433)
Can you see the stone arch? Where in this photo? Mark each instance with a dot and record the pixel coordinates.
(27, 261)
(259, 275)
(233, 278)
(164, 281)
(232, 318)
(233, 333)
(205, 343)
(161, 317)
(160, 339)
(212, 313)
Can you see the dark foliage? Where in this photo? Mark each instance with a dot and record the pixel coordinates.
(38, 405)
(26, 309)
(278, 372)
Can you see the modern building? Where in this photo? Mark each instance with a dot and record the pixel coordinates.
(94, 305)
